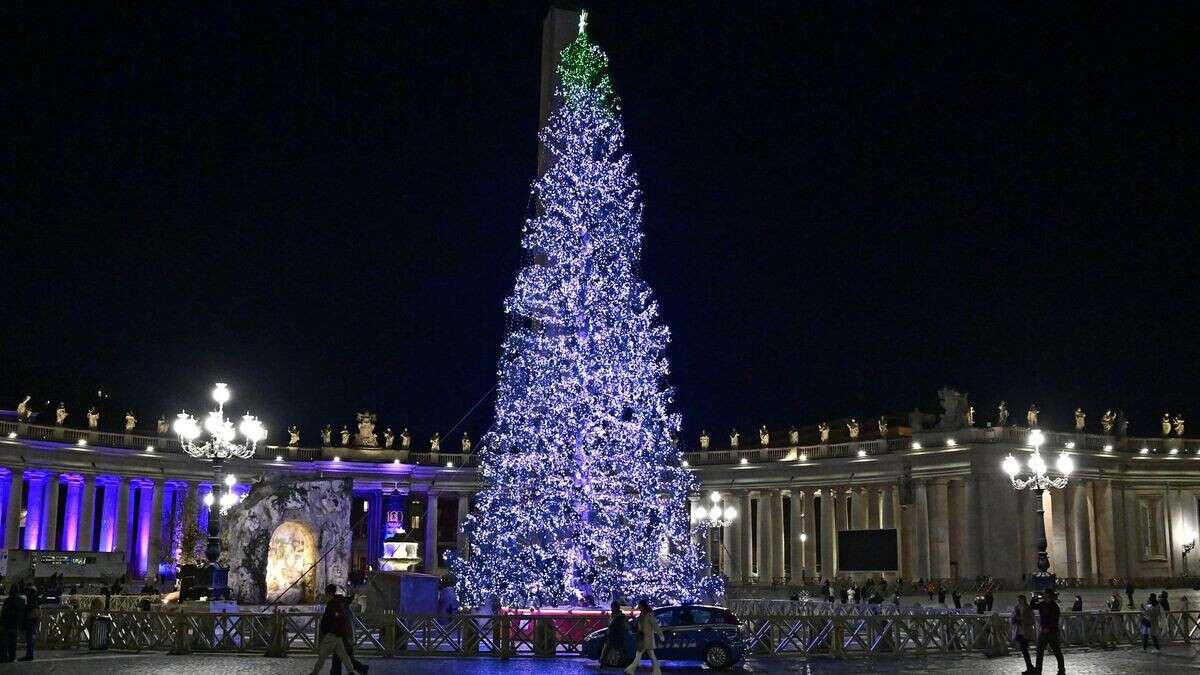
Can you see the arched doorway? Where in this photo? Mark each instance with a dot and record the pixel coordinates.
(291, 555)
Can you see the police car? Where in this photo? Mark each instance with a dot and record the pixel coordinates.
(691, 633)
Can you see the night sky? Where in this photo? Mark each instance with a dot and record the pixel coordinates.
(846, 206)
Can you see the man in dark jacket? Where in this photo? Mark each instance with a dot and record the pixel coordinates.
(335, 666)
(32, 618)
(1048, 614)
(618, 628)
(11, 617)
(331, 631)
(1129, 593)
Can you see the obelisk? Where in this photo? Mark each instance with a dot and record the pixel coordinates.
(558, 30)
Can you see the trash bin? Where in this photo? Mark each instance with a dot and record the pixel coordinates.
(98, 632)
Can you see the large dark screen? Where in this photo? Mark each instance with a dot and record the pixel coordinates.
(867, 551)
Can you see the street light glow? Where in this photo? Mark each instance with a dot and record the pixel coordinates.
(1011, 466)
(1065, 464)
(1036, 438)
(220, 393)
(1037, 465)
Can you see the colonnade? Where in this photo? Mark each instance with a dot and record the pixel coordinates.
(47, 510)
(956, 527)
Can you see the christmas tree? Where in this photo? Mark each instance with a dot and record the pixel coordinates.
(585, 496)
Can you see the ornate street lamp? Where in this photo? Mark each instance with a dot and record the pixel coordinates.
(1039, 480)
(221, 441)
(217, 440)
(714, 518)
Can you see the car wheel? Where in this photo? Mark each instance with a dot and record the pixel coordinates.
(718, 656)
(612, 657)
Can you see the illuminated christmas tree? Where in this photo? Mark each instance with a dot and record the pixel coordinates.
(585, 494)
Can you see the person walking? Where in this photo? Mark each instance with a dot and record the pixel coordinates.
(11, 617)
(957, 597)
(1022, 621)
(1077, 606)
(1049, 635)
(1129, 592)
(618, 629)
(30, 623)
(1162, 602)
(647, 630)
(335, 666)
(333, 626)
(1114, 603)
(1151, 623)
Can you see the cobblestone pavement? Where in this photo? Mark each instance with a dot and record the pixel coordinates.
(1176, 659)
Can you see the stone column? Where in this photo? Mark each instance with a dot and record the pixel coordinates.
(775, 502)
(970, 562)
(810, 529)
(50, 539)
(887, 510)
(920, 536)
(154, 549)
(12, 512)
(745, 550)
(430, 525)
(795, 548)
(1062, 555)
(860, 504)
(122, 521)
(1000, 537)
(939, 528)
(829, 506)
(34, 510)
(1106, 549)
(874, 509)
(1081, 529)
(841, 517)
(460, 537)
(762, 552)
(890, 508)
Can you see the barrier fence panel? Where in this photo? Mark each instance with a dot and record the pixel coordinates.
(862, 631)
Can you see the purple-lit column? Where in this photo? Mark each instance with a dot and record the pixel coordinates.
(71, 517)
(140, 551)
(157, 524)
(108, 514)
(203, 490)
(36, 481)
(50, 534)
(33, 509)
(122, 519)
(12, 511)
